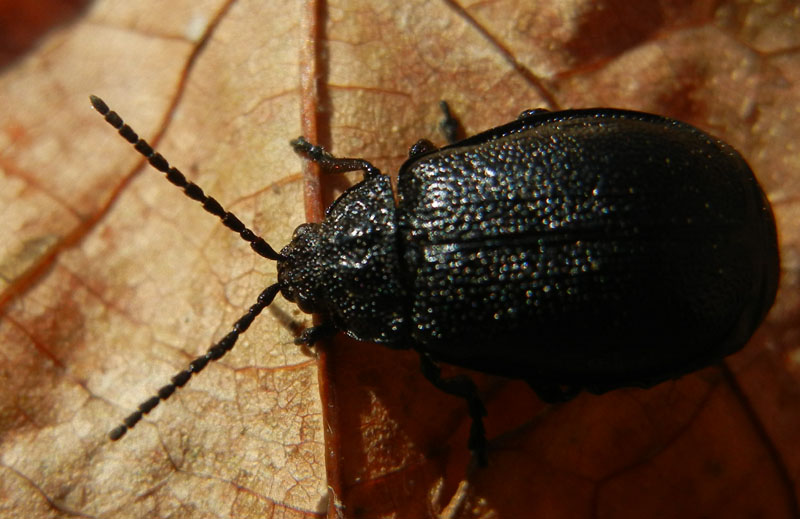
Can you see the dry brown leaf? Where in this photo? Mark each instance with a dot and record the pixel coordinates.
(112, 280)
(115, 280)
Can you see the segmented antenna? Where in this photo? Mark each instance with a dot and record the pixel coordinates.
(230, 220)
(190, 189)
(196, 366)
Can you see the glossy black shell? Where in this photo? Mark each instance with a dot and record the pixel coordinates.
(592, 248)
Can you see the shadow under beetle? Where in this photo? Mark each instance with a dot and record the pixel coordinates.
(577, 250)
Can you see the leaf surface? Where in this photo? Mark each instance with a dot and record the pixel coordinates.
(112, 280)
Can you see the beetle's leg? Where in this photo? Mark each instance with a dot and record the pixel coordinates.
(449, 125)
(330, 163)
(421, 147)
(463, 387)
(314, 334)
(552, 393)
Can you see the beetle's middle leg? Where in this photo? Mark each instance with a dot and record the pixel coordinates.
(463, 387)
(450, 126)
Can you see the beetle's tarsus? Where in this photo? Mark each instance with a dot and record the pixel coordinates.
(477, 443)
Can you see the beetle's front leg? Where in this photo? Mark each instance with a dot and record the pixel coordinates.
(463, 387)
(314, 334)
(330, 163)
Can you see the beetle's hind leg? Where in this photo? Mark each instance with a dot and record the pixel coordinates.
(463, 387)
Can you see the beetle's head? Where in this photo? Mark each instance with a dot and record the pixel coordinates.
(347, 268)
(299, 272)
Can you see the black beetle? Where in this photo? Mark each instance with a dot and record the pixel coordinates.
(582, 249)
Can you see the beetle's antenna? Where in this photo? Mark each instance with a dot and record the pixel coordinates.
(196, 366)
(191, 189)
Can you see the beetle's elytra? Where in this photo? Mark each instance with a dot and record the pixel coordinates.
(583, 249)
